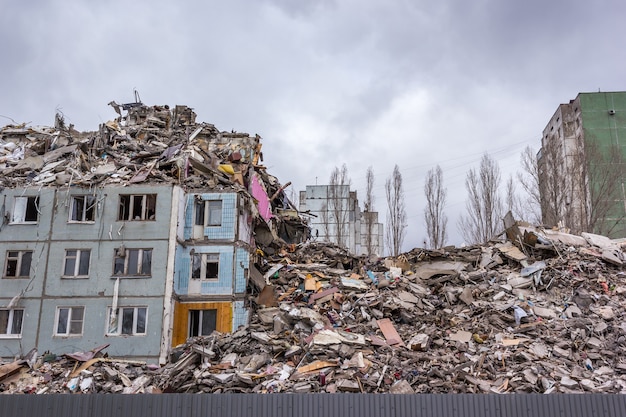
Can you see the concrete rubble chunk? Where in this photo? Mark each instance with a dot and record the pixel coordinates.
(568, 382)
(461, 336)
(511, 251)
(346, 385)
(546, 313)
(223, 378)
(401, 387)
(606, 312)
(540, 350)
(428, 270)
(466, 296)
(419, 342)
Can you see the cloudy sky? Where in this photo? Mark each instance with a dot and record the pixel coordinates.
(365, 83)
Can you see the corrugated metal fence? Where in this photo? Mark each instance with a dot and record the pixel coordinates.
(313, 405)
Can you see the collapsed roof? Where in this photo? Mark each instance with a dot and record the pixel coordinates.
(153, 144)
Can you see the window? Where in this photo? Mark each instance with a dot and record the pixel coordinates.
(205, 266)
(127, 321)
(83, 208)
(132, 262)
(69, 321)
(77, 263)
(210, 210)
(215, 212)
(199, 208)
(26, 210)
(18, 264)
(137, 207)
(202, 322)
(11, 322)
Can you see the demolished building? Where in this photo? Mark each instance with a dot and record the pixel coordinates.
(111, 236)
(137, 235)
(541, 312)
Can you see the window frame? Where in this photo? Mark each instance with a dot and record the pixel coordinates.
(70, 319)
(29, 203)
(199, 322)
(19, 266)
(86, 209)
(208, 213)
(211, 210)
(199, 218)
(11, 321)
(119, 330)
(126, 209)
(78, 258)
(204, 259)
(127, 259)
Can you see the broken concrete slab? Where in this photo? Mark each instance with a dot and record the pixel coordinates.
(430, 269)
(460, 336)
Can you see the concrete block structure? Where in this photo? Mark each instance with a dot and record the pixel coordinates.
(582, 165)
(336, 217)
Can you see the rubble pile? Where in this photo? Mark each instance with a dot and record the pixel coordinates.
(543, 316)
(152, 144)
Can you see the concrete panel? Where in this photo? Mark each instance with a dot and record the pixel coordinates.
(95, 325)
(33, 285)
(226, 275)
(27, 231)
(106, 224)
(101, 279)
(10, 345)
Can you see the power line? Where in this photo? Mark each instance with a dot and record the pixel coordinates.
(509, 149)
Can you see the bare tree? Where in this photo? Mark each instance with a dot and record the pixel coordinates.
(434, 217)
(396, 213)
(581, 187)
(513, 202)
(555, 183)
(338, 209)
(601, 178)
(484, 205)
(325, 222)
(529, 180)
(369, 209)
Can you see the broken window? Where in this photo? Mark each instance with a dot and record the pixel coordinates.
(77, 263)
(18, 264)
(202, 322)
(83, 208)
(25, 210)
(205, 266)
(11, 322)
(127, 321)
(199, 209)
(131, 262)
(137, 207)
(208, 213)
(69, 321)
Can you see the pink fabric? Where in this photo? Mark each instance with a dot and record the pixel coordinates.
(265, 209)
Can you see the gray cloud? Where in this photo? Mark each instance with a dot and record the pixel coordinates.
(412, 83)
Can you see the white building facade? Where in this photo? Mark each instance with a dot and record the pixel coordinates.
(335, 216)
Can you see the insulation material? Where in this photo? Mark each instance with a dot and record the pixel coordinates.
(258, 192)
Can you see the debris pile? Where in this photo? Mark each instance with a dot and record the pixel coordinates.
(153, 144)
(543, 316)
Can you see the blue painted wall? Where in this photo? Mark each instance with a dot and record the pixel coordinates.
(226, 231)
(229, 267)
